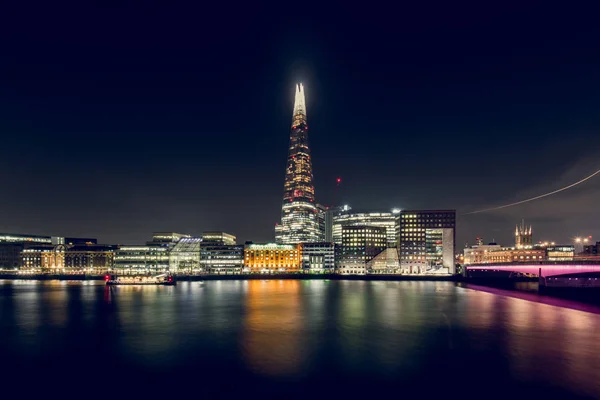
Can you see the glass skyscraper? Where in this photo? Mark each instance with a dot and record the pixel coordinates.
(299, 212)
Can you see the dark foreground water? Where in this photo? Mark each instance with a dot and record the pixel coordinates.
(292, 339)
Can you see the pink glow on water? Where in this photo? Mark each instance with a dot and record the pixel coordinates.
(547, 270)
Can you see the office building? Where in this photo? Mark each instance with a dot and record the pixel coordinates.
(330, 214)
(141, 259)
(272, 258)
(318, 257)
(479, 253)
(386, 220)
(386, 262)
(169, 238)
(10, 256)
(299, 213)
(426, 241)
(560, 253)
(46, 259)
(218, 238)
(360, 244)
(221, 259)
(92, 259)
(184, 257)
(19, 238)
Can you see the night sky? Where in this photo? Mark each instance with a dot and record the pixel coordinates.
(123, 118)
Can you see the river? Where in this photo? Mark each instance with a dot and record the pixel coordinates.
(295, 338)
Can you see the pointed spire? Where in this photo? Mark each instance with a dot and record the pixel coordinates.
(300, 101)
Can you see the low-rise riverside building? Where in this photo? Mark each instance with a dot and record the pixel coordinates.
(272, 258)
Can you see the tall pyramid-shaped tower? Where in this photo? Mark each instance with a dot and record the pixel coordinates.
(299, 213)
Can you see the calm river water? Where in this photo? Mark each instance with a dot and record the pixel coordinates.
(293, 338)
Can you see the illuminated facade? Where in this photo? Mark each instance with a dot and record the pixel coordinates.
(360, 244)
(167, 237)
(478, 254)
(560, 253)
(385, 220)
(426, 241)
(184, 257)
(18, 238)
(89, 259)
(318, 257)
(386, 262)
(46, 259)
(523, 237)
(272, 258)
(299, 213)
(221, 238)
(142, 259)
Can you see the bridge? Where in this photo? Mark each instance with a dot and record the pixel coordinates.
(563, 274)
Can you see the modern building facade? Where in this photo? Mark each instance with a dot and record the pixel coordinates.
(21, 238)
(360, 244)
(560, 253)
(299, 212)
(330, 214)
(184, 257)
(386, 262)
(426, 241)
(142, 259)
(220, 238)
(318, 257)
(272, 258)
(167, 237)
(386, 220)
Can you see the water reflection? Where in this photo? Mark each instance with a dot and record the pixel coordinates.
(272, 338)
(312, 331)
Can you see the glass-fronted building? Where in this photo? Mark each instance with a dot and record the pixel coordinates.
(184, 257)
(142, 259)
(426, 240)
(223, 238)
(360, 244)
(386, 220)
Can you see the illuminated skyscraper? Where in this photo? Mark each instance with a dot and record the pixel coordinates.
(299, 213)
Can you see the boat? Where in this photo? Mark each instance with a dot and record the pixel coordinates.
(163, 279)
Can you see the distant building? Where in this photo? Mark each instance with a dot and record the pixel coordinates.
(142, 259)
(10, 255)
(89, 259)
(478, 254)
(386, 220)
(591, 250)
(318, 258)
(218, 238)
(360, 244)
(73, 240)
(167, 237)
(46, 259)
(21, 238)
(560, 253)
(322, 220)
(514, 255)
(523, 237)
(426, 240)
(330, 214)
(272, 258)
(184, 257)
(386, 262)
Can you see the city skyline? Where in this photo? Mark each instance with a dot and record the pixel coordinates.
(144, 131)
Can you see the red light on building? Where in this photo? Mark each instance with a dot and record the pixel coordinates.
(106, 277)
(339, 180)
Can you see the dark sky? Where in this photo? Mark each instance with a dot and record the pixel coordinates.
(123, 118)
